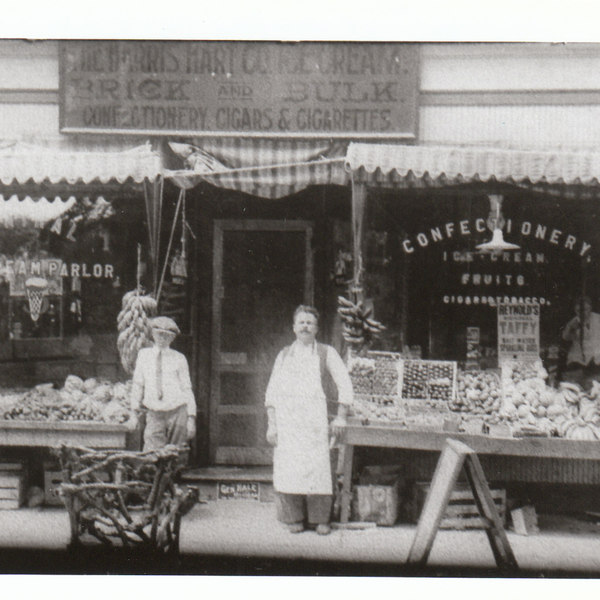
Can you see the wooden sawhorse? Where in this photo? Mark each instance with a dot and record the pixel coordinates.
(454, 457)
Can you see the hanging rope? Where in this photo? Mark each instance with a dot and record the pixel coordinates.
(166, 262)
(153, 195)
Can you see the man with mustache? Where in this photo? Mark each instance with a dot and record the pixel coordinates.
(298, 425)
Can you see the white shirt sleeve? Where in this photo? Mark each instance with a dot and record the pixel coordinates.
(183, 373)
(271, 393)
(340, 376)
(137, 389)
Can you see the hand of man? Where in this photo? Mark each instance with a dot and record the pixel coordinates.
(272, 435)
(337, 426)
(191, 427)
(132, 422)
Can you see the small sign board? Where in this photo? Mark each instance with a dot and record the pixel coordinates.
(518, 331)
(238, 490)
(473, 347)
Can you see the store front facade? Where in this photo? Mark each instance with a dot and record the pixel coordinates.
(266, 217)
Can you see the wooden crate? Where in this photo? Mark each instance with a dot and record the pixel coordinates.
(461, 512)
(13, 485)
(52, 481)
(376, 503)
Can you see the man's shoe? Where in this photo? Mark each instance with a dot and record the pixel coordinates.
(323, 529)
(295, 527)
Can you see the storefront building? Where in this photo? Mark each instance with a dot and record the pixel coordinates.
(264, 150)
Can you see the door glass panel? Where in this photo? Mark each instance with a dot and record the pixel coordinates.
(263, 281)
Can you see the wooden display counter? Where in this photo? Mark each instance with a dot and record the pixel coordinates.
(388, 436)
(43, 434)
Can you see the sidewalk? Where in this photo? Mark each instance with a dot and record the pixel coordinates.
(241, 537)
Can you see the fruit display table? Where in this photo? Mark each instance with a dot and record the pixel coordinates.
(50, 434)
(384, 436)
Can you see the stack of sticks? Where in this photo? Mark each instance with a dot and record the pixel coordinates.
(125, 498)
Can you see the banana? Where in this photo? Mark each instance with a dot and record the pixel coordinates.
(345, 302)
(127, 298)
(366, 313)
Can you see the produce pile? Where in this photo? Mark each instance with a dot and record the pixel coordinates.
(527, 398)
(428, 380)
(77, 400)
(580, 420)
(385, 410)
(477, 392)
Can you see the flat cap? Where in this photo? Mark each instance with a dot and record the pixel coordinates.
(165, 324)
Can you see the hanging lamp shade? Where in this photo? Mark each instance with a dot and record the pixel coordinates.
(497, 243)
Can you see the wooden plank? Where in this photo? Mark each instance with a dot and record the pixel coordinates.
(394, 437)
(62, 426)
(243, 455)
(444, 479)
(348, 458)
(468, 495)
(10, 493)
(4, 467)
(10, 479)
(463, 494)
(45, 435)
(464, 510)
(6, 504)
(470, 523)
(497, 538)
(215, 382)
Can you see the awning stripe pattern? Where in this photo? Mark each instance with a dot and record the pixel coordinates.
(29, 211)
(21, 163)
(268, 168)
(389, 165)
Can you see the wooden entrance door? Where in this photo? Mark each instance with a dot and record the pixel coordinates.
(261, 271)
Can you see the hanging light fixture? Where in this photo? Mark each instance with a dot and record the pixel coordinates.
(495, 223)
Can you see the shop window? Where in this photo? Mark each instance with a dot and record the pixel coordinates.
(66, 277)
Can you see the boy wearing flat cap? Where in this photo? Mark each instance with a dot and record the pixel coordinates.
(163, 389)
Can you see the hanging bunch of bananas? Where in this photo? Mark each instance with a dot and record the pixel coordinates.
(133, 324)
(358, 328)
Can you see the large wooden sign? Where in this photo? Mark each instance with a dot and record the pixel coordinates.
(305, 89)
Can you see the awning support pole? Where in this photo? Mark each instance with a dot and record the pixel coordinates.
(359, 197)
(180, 200)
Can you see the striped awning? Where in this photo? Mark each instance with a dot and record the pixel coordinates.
(268, 168)
(36, 212)
(388, 165)
(22, 163)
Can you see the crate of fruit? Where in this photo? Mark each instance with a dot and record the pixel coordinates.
(431, 380)
(373, 408)
(375, 381)
(377, 373)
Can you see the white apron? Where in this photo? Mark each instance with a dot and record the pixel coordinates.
(301, 463)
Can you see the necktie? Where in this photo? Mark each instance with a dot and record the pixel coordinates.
(159, 389)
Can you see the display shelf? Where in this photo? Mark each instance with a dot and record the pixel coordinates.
(76, 433)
